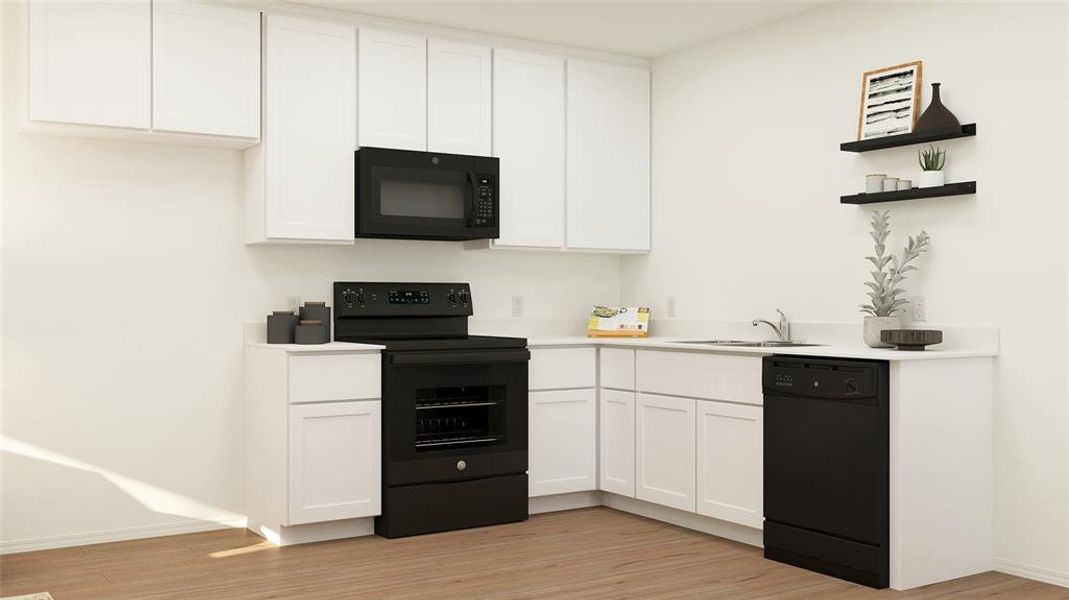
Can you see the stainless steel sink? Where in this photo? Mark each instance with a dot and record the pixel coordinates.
(745, 344)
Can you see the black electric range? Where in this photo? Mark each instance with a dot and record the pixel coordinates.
(454, 407)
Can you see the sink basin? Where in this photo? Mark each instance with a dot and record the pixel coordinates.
(745, 344)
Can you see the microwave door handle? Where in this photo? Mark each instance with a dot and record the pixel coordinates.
(469, 203)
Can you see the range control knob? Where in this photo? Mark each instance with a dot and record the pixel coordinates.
(452, 297)
(851, 385)
(349, 297)
(464, 297)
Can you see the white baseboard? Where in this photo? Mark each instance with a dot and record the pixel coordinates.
(1051, 576)
(688, 520)
(313, 532)
(557, 502)
(118, 535)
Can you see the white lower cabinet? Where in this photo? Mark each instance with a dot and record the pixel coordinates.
(730, 485)
(665, 451)
(334, 461)
(562, 442)
(616, 450)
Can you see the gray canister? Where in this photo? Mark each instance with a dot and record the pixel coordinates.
(311, 331)
(281, 326)
(316, 311)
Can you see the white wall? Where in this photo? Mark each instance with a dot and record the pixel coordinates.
(126, 283)
(747, 175)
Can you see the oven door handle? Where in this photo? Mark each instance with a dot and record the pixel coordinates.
(437, 359)
(469, 205)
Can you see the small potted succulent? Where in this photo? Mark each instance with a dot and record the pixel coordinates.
(931, 161)
(886, 301)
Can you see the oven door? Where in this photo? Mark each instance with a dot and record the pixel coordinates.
(454, 415)
(422, 195)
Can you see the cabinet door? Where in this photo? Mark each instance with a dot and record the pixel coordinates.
(334, 470)
(529, 139)
(562, 442)
(393, 90)
(608, 153)
(458, 98)
(309, 129)
(730, 466)
(90, 62)
(617, 442)
(664, 451)
(205, 69)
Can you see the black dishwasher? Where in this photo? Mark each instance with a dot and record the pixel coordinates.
(827, 466)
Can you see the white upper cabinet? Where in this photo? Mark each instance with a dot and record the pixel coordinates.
(458, 98)
(90, 62)
(393, 90)
(608, 150)
(300, 178)
(529, 139)
(205, 69)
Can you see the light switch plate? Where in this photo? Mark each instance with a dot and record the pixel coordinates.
(517, 306)
(671, 307)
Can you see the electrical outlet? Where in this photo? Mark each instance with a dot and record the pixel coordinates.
(671, 307)
(517, 306)
(293, 303)
(919, 308)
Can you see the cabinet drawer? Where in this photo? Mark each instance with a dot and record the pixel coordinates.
(557, 368)
(617, 368)
(326, 377)
(697, 375)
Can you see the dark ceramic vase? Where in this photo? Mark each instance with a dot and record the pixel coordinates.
(936, 116)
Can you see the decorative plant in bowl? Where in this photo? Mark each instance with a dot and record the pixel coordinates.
(932, 160)
(886, 301)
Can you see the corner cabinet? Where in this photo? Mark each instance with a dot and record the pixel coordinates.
(529, 140)
(608, 157)
(90, 63)
(300, 179)
(616, 443)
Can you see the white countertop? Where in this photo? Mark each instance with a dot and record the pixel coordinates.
(831, 350)
(328, 347)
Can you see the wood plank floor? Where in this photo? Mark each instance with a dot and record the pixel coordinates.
(590, 554)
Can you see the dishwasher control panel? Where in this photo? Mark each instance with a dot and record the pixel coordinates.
(819, 378)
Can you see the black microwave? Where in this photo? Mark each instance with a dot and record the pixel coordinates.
(405, 194)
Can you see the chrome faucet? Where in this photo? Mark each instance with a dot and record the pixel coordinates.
(783, 330)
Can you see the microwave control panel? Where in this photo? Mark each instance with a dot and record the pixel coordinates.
(484, 201)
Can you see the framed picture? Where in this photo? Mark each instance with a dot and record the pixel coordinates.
(890, 101)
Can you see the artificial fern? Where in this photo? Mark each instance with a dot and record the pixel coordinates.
(890, 270)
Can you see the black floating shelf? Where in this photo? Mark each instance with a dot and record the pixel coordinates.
(950, 189)
(908, 139)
